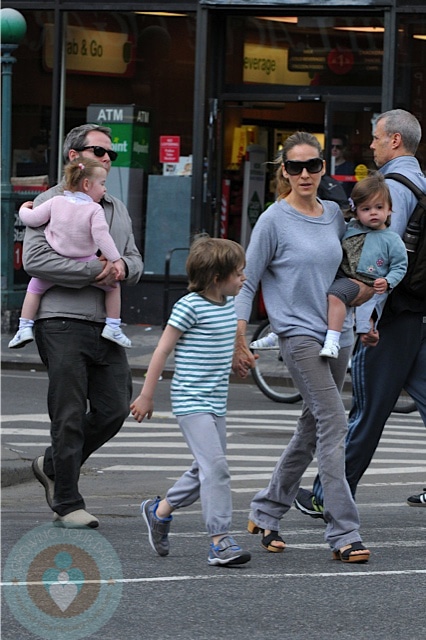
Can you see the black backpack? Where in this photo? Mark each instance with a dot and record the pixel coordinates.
(331, 189)
(410, 294)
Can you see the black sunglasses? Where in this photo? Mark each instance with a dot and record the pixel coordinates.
(295, 167)
(99, 152)
(337, 146)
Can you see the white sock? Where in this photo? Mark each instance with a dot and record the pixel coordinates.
(113, 322)
(24, 323)
(334, 336)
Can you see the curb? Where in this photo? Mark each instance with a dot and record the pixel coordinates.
(14, 469)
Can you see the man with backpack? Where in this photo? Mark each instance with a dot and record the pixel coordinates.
(393, 356)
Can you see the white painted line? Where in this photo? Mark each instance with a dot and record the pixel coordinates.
(240, 575)
(260, 476)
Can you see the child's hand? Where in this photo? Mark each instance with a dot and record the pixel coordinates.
(28, 204)
(142, 408)
(380, 285)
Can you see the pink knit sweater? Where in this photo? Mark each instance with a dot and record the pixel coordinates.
(76, 226)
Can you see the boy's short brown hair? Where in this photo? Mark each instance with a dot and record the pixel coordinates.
(211, 258)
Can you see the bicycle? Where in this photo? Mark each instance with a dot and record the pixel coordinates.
(274, 380)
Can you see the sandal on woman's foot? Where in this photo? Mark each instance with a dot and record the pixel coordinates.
(253, 528)
(355, 552)
(266, 541)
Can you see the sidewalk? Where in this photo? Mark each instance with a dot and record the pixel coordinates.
(15, 469)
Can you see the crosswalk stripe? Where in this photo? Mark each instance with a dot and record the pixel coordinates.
(160, 444)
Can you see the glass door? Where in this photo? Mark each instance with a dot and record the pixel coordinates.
(348, 128)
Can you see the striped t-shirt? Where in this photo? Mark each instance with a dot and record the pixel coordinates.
(203, 354)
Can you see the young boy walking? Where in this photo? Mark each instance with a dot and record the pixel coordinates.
(201, 329)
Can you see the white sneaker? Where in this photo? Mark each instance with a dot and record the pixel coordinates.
(76, 520)
(268, 342)
(116, 335)
(21, 338)
(330, 349)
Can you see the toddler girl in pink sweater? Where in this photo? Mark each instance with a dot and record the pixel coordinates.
(75, 228)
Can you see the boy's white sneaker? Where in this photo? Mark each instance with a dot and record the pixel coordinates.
(330, 349)
(21, 338)
(116, 335)
(267, 342)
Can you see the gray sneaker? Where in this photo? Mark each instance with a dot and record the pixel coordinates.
(227, 551)
(158, 530)
(79, 519)
(48, 483)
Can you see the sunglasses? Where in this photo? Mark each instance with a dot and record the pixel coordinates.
(294, 167)
(99, 152)
(337, 146)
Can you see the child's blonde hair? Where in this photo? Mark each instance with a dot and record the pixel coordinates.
(370, 187)
(211, 258)
(79, 169)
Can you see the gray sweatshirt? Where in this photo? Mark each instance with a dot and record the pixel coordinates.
(295, 257)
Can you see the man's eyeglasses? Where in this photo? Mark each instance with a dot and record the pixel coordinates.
(294, 167)
(99, 152)
(337, 146)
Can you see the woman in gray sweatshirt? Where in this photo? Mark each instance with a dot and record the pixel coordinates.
(294, 252)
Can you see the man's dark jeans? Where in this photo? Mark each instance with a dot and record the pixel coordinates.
(88, 399)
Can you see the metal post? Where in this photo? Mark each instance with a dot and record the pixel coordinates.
(13, 28)
(198, 213)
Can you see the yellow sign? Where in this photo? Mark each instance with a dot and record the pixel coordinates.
(270, 65)
(361, 172)
(90, 51)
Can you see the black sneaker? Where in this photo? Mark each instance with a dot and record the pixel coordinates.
(158, 530)
(418, 500)
(306, 503)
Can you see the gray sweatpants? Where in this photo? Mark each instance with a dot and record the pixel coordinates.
(209, 477)
(322, 427)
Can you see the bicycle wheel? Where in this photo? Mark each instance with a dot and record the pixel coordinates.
(271, 374)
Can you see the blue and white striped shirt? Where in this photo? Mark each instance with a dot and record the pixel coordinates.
(203, 354)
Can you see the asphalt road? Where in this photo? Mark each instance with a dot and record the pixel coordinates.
(300, 594)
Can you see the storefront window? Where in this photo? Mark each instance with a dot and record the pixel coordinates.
(111, 58)
(305, 50)
(138, 66)
(410, 86)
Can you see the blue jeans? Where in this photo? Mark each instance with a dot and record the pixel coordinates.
(322, 428)
(84, 370)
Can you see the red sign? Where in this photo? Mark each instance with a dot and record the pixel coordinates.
(169, 149)
(17, 255)
(340, 61)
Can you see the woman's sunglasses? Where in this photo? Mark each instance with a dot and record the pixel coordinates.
(295, 167)
(99, 152)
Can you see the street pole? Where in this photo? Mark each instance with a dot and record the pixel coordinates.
(13, 29)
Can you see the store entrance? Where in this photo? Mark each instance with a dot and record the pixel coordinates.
(252, 134)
